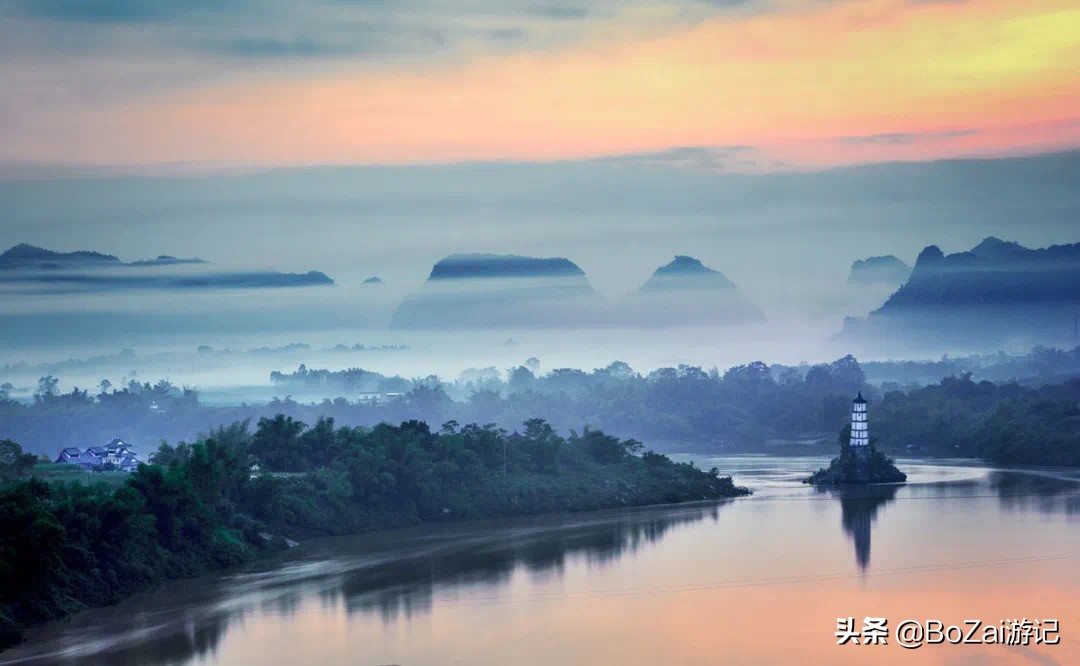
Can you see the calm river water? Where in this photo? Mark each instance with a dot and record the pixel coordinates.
(758, 580)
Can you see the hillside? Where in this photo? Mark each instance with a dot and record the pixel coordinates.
(499, 291)
(685, 291)
(31, 269)
(996, 293)
(887, 270)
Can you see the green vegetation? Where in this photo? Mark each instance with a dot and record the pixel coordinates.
(14, 463)
(1042, 365)
(1002, 423)
(687, 408)
(64, 472)
(857, 467)
(697, 408)
(66, 545)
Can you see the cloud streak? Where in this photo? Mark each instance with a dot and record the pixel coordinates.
(737, 158)
(907, 138)
(115, 11)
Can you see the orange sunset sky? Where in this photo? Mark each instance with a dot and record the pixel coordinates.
(804, 83)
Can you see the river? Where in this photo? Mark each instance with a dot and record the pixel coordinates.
(756, 580)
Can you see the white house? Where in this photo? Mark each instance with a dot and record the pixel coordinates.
(116, 454)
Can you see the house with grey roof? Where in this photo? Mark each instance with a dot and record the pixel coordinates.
(114, 455)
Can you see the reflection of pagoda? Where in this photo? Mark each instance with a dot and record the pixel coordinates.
(858, 510)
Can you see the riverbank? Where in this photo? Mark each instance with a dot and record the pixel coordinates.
(70, 546)
(591, 586)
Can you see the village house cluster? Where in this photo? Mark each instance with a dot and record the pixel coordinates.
(114, 455)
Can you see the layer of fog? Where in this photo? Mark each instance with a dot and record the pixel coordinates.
(233, 369)
(787, 240)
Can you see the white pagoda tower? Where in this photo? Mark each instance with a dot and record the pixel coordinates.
(860, 436)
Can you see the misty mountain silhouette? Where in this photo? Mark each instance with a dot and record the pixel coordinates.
(994, 272)
(38, 270)
(167, 260)
(886, 270)
(995, 248)
(670, 276)
(499, 291)
(685, 291)
(995, 291)
(25, 255)
(463, 266)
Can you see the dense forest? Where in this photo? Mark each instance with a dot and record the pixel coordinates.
(1042, 365)
(226, 497)
(753, 407)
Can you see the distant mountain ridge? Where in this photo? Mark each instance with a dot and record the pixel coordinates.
(461, 266)
(686, 291)
(684, 270)
(993, 272)
(499, 291)
(992, 247)
(994, 292)
(168, 260)
(38, 270)
(26, 256)
(887, 270)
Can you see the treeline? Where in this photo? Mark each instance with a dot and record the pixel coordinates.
(746, 408)
(1002, 423)
(218, 501)
(204, 357)
(1039, 366)
(347, 382)
(677, 408)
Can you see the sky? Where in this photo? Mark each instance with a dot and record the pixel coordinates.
(732, 85)
(777, 141)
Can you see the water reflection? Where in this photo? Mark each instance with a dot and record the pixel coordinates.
(859, 507)
(175, 636)
(1042, 492)
(487, 559)
(1016, 491)
(197, 638)
(395, 576)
